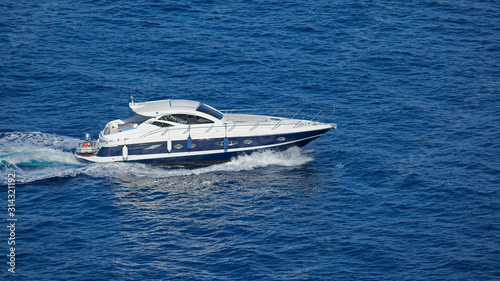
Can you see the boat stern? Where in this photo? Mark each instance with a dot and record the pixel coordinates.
(87, 148)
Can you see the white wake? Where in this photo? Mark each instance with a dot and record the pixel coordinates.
(37, 156)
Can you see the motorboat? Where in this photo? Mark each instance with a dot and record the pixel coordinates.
(190, 132)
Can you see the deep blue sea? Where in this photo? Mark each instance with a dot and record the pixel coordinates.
(407, 187)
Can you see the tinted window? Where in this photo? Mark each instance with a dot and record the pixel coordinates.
(161, 124)
(177, 118)
(201, 120)
(185, 119)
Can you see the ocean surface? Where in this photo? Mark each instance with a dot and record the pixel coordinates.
(407, 187)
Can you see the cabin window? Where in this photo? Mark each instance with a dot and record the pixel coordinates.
(161, 124)
(201, 120)
(185, 119)
(177, 118)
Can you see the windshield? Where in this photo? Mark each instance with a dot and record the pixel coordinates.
(210, 111)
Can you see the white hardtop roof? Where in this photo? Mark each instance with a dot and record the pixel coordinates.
(155, 108)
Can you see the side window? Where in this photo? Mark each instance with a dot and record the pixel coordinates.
(177, 118)
(185, 119)
(191, 119)
(161, 124)
(201, 120)
(165, 118)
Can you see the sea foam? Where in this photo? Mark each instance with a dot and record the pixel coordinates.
(37, 156)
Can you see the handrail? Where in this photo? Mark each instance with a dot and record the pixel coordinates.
(91, 143)
(277, 125)
(296, 113)
(318, 115)
(298, 118)
(250, 127)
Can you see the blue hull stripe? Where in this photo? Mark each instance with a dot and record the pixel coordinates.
(214, 148)
(217, 157)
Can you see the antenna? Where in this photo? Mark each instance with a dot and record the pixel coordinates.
(131, 96)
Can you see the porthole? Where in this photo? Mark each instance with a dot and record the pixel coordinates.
(281, 138)
(229, 143)
(178, 146)
(247, 141)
